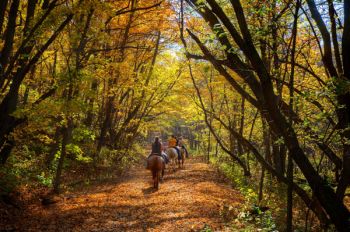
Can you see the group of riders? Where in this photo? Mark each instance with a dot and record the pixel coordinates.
(173, 142)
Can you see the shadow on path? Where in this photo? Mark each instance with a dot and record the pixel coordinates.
(187, 200)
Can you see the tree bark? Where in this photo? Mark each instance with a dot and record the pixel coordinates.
(9, 35)
(66, 134)
(3, 6)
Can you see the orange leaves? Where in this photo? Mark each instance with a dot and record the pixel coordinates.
(189, 199)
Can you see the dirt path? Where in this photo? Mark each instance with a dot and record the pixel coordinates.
(187, 200)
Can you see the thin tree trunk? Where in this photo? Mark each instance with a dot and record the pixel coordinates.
(209, 147)
(291, 102)
(54, 147)
(261, 184)
(66, 134)
(266, 137)
(9, 36)
(3, 5)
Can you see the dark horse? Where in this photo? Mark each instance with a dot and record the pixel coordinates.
(182, 157)
(156, 164)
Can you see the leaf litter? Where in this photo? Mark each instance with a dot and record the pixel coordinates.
(189, 199)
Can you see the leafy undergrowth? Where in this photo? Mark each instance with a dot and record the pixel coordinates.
(195, 198)
(250, 216)
(271, 214)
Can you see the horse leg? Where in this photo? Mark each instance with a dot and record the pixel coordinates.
(162, 172)
(157, 180)
(154, 178)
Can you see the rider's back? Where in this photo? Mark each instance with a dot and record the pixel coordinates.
(172, 142)
(156, 148)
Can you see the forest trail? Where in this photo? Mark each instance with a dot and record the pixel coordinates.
(188, 200)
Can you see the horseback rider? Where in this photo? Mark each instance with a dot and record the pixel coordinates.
(157, 149)
(173, 142)
(182, 145)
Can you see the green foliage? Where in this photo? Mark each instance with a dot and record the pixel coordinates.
(77, 152)
(206, 228)
(256, 220)
(45, 179)
(238, 180)
(250, 216)
(82, 134)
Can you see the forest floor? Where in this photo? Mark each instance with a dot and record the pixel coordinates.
(190, 199)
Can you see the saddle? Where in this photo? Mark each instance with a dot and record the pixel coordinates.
(156, 154)
(162, 155)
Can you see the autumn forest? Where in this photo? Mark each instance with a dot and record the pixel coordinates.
(258, 92)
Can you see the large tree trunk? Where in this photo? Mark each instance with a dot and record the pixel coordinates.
(344, 100)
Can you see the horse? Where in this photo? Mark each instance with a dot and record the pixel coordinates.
(174, 157)
(156, 164)
(182, 157)
(172, 154)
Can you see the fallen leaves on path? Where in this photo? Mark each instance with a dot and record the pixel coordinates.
(188, 200)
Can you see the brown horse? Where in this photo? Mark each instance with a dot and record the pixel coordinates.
(182, 156)
(156, 164)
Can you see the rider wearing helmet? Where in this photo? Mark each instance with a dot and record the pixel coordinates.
(182, 145)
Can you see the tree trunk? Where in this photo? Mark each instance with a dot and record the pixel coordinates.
(54, 147)
(261, 184)
(66, 134)
(3, 5)
(9, 36)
